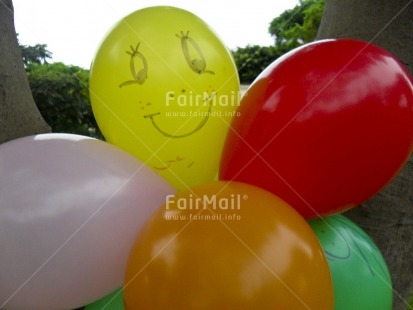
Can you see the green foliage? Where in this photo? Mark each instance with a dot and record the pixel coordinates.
(37, 54)
(61, 94)
(291, 29)
(297, 26)
(252, 60)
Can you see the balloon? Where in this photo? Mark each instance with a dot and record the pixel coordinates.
(324, 127)
(113, 301)
(224, 245)
(164, 88)
(70, 209)
(360, 274)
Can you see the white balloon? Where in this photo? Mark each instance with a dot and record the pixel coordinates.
(70, 210)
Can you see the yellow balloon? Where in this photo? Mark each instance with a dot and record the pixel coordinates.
(164, 88)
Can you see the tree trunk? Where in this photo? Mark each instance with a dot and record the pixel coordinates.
(387, 217)
(19, 115)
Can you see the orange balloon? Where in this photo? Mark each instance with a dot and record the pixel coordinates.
(227, 245)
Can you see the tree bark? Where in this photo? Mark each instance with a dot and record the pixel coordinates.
(19, 115)
(387, 217)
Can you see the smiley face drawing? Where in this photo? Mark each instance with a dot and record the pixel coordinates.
(345, 241)
(164, 88)
(140, 76)
(356, 264)
(197, 65)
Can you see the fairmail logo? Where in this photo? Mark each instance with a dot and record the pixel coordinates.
(203, 202)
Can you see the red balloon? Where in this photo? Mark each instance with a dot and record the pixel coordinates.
(324, 127)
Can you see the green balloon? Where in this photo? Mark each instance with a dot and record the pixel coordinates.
(113, 301)
(361, 278)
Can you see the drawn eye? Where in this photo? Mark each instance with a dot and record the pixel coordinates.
(198, 63)
(139, 76)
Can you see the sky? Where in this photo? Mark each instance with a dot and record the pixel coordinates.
(73, 29)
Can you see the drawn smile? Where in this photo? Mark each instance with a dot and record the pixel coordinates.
(169, 135)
